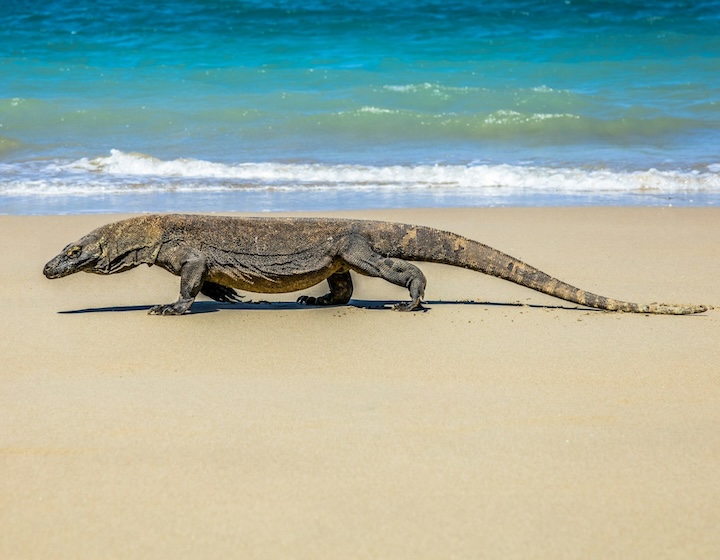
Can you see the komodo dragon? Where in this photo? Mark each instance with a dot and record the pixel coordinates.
(215, 255)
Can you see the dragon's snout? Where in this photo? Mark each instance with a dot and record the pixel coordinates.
(57, 268)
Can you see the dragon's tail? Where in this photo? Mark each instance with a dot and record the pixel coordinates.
(417, 243)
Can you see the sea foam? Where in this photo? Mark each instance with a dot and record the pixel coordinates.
(315, 175)
(134, 182)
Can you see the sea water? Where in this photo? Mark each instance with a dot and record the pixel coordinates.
(254, 105)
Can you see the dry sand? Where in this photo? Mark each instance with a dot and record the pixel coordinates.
(479, 429)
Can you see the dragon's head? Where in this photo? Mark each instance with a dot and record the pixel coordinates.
(83, 255)
(109, 249)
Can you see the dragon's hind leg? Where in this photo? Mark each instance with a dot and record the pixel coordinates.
(341, 289)
(360, 256)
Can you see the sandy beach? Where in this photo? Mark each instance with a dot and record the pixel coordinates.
(501, 423)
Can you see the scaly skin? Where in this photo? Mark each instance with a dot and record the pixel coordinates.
(216, 255)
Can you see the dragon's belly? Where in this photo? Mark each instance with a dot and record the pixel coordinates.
(275, 263)
(269, 281)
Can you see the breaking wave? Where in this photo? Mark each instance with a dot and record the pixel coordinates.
(157, 174)
(133, 182)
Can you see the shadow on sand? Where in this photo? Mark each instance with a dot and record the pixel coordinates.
(375, 305)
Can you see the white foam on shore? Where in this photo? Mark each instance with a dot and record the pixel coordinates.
(122, 172)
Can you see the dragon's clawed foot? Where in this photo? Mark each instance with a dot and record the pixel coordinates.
(177, 308)
(220, 293)
(308, 300)
(409, 306)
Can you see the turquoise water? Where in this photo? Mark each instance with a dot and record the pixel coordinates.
(249, 105)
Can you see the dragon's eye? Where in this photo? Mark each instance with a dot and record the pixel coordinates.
(73, 251)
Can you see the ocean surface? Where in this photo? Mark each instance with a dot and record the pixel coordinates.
(262, 105)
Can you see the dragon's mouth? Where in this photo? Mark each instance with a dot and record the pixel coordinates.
(62, 266)
(55, 269)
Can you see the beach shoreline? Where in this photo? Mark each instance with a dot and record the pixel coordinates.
(501, 423)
